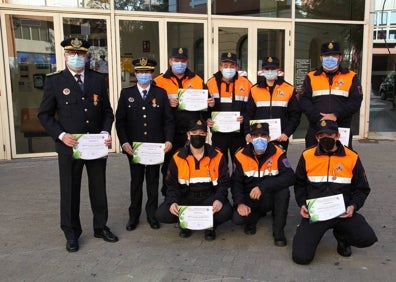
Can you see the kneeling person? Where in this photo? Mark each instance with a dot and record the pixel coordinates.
(260, 183)
(197, 175)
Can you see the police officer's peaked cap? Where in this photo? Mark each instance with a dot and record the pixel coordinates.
(144, 64)
(197, 124)
(330, 48)
(270, 62)
(75, 44)
(259, 128)
(326, 126)
(228, 57)
(179, 52)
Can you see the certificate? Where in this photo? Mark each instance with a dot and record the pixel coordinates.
(226, 121)
(325, 208)
(196, 217)
(193, 99)
(274, 126)
(344, 135)
(148, 153)
(90, 146)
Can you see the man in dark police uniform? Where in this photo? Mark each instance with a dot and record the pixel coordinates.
(76, 101)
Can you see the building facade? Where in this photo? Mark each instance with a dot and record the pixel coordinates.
(121, 30)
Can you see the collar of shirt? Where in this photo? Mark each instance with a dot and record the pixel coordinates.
(141, 89)
(74, 73)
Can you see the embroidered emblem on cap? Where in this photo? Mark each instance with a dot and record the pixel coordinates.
(323, 123)
(259, 125)
(229, 55)
(180, 51)
(199, 122)
(331, 46)
(270, 60)
(66, 91)
(77, 43)
(143, 61)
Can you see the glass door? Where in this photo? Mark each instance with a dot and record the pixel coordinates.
(252, 42)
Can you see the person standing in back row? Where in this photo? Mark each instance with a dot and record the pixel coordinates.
(231, 93)
(179, 76)
(274, 98)
(330, 92)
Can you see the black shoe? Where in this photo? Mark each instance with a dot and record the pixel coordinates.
(106, 235)
(210, 234)
(132, 224)
(342, 248)
(250, 229)
(154, 224)
(279, 239)
(185, 233)
(72, 246)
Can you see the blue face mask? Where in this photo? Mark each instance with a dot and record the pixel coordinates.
(228, 73)
(143, 78)
(270, 74)
(260, 144)
(76, 62)
(179, 67)
(330, 63)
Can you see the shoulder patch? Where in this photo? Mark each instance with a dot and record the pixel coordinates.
(53, 73)
(286, 162)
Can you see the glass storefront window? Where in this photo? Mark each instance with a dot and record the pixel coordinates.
(89, 4)
(254, 8)
(190, 36)
(330, 9)
(171, 6)
(137, 39)
(309, 38)
(31, 55)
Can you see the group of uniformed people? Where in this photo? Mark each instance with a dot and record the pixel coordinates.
(197, 173)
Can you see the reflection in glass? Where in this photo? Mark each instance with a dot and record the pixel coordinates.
(309, 38)
(330, 9)
(137, 39)
(31, 56)
(254, 8)
(190, 36)
(90, 4)
(174, 6)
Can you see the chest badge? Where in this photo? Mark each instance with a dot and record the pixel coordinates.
(66, 91)
(131, 100)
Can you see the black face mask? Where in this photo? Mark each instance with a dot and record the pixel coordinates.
(327, 143)
(197, 141)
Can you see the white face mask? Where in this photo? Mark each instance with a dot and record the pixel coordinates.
(270, 74)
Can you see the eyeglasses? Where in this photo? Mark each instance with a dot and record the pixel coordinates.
(75, 52)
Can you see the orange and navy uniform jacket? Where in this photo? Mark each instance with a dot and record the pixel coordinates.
(339, 93)
(229, 97)
(319, 174)
(281, 103)
(271, 172)
(172, 84)
(185, 174)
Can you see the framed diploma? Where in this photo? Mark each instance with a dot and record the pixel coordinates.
(274, 126)
(321, 209)
(148, 153)
(90, 146)
(193, 99)
(226, 121)
(196, 217)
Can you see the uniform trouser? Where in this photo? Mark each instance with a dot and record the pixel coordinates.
(138, 172)
(228, 141)
(163, 214)
(179, 141)
(310, 138)
(277, 202)
(353, 231)
(70, 173)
